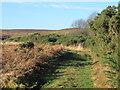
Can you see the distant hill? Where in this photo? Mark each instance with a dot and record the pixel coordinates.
(35, 30)
(66, 31)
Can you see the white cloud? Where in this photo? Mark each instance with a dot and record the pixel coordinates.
(30, 4)
(35, 5)
(73, 7)
(59, 0)
(60, 6)
(56, 6)
(87, 8)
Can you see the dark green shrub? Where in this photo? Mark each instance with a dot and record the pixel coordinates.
(23, 45)
(27, 45)
(52, 39)
(15, 49)
(72, 42)
(40, 49)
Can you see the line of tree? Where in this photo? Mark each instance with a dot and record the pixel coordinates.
(105, 42)
(106, 27)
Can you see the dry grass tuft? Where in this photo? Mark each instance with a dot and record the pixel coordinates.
(18, 61)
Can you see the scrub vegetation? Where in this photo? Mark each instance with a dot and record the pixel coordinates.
(77, 58)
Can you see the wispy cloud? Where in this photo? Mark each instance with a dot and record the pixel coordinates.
(29, 3)
(56, 6)
(87, 8)
(60, 6)
(73, 7)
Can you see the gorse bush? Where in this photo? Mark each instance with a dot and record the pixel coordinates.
(27, 45)
(106, 27)
(52, 39)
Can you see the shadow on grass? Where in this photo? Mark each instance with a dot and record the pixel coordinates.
(37, 78)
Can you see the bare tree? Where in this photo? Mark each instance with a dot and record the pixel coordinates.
(92, 15)
(90, 19)
(79, 23)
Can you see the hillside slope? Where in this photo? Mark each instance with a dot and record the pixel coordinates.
(23, 32)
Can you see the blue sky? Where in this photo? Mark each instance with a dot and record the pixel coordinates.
(47, 15)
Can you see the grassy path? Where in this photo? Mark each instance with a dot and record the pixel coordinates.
(71, 70)
(99, 77)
